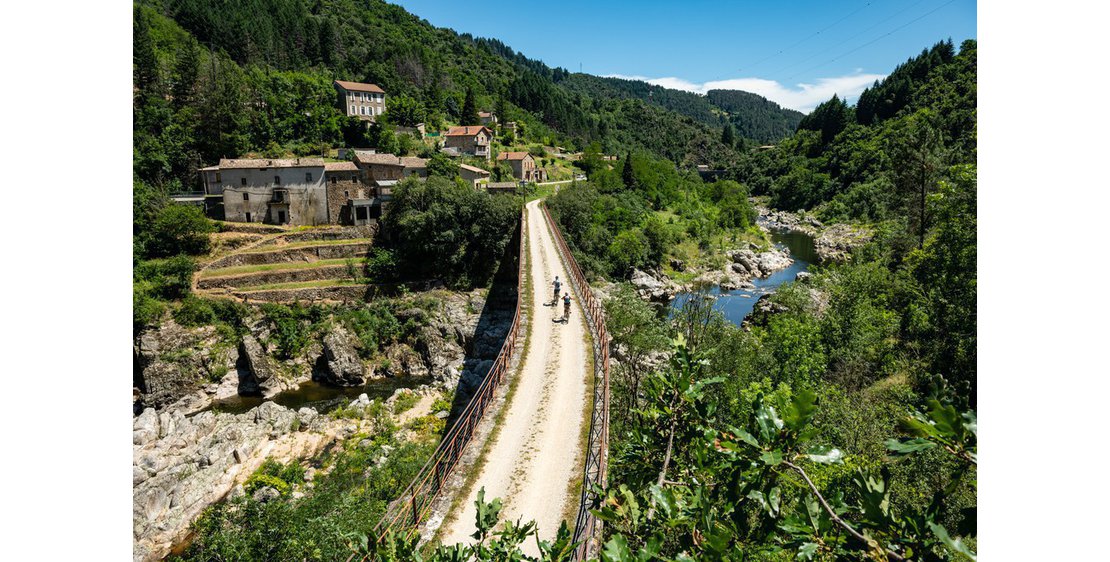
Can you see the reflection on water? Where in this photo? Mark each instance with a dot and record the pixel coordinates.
(320, 397)
(736, 305)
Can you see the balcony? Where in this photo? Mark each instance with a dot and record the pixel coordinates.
(280, 197)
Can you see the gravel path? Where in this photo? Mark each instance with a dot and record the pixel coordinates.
(536, 454)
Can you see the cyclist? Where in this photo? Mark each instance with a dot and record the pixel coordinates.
(558, 285)
(566, 307)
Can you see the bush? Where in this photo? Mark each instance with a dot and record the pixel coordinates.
(194, 311)
(179, 229)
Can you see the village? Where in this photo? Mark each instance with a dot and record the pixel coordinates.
(353, 186)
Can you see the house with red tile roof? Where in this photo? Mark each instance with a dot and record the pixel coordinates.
(523, 165)
(473, 140)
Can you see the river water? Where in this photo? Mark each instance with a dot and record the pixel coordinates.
(736, 305)
(320, 397)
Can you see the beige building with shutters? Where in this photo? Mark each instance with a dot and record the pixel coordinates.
(365, 101)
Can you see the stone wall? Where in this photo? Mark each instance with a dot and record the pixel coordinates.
(339, 192)
(353, 250)
(286, 276)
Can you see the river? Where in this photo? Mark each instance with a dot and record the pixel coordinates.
(736, 305)
(320, 397)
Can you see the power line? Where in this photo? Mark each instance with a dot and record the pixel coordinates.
(903, 26)
(811, 36)
(854, 37)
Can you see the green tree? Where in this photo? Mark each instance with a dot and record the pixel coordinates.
(628, 175)
(442, 165)
(146, 73)
(469, 114)
(179, 229)
(917, 150)
(404, 110)
(185, 74)
(629, 250)
(728, 136)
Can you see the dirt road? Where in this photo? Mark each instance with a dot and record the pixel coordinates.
(536, 453)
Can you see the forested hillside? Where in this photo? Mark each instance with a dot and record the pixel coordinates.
(215, 79)
(752, 116)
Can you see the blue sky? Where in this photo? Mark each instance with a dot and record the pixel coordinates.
(795, 53)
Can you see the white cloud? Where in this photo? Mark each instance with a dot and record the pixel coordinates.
(803, 97)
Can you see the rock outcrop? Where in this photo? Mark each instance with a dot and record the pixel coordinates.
(342, 365)
(172, 361)
(183, 464)
(654, 288)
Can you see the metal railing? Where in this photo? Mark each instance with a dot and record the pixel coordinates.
(587, 529)
(405, 514)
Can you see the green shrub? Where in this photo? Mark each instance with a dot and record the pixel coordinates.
(405, 402)
(194, 311)
(259, 481)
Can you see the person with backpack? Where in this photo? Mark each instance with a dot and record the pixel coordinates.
(558, 285)
(566, 307)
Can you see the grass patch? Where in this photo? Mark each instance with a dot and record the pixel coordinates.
(259, 268)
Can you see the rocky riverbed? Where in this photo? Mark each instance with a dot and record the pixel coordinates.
(182, 463)
(833, 243)
(456, 339)
(187, 456)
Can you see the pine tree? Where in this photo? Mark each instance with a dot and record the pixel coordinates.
(728, 136)
(627, 174)
(185, 74)
(470, 110)
(146, 63)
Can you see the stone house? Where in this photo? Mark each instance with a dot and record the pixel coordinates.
(523, 165)
(473, 140)
(487, 118)
(365, 101)
(384, 171)
(509, 187)
(272, 191)
(473, 174)
(351, 200)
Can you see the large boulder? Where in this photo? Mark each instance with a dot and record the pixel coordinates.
(343, 367)
(259, 372)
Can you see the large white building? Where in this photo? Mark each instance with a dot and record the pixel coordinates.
(365, 101)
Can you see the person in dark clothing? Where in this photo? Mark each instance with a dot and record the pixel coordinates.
(566, 307)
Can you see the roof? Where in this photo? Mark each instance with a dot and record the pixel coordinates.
(501, 185)
(414, 162)
(386, 183)
(359, 87)
(512, 155)
(468, 131)
(474, 169)
(376, 158)
(340, 167)
(234, 163)
(210, 169)
(485, 114)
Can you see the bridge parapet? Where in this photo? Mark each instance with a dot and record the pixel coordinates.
(587, 528)
(405, 514)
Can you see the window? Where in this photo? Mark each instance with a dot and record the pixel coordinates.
(360, 213)
(334, 180)
(243, 181)
(308, 177)
(246, 197)
(217, 177)
(281, 217)
(277, 180)
(248, 217)
(354, 177)
(353, 110)
(346, 193)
